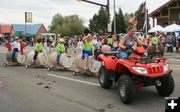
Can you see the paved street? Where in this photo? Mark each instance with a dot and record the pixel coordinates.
(39, 90)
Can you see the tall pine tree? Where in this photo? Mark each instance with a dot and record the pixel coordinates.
(99, 21)
(120, 23)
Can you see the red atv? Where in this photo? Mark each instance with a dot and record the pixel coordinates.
(135, 72)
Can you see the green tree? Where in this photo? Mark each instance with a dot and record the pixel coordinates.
(120, 23)
(99, 21)
(66, 25)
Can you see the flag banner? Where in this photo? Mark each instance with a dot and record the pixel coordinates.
(131, 19)
(144, 26)
(144, 8)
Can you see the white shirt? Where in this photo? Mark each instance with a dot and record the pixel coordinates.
(80, 45)
(16, 44)
(94, 41)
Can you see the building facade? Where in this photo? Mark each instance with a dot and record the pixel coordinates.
(32, 30)
(167, 14)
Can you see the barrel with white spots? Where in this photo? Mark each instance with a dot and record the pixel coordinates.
(93, 65)
(41, 60)
(64, 61)
(19, 58)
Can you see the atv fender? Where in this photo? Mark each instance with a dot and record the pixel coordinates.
(109, 61)
(123, 66)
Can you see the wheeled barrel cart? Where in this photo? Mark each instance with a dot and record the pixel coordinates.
(65, 61)
(41, 61)
(19, 58)
(93, 65)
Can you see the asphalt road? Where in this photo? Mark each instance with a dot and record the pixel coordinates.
(39, 90)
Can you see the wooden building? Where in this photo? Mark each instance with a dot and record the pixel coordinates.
(167, 14)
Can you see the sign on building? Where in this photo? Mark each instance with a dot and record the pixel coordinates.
(28, 16)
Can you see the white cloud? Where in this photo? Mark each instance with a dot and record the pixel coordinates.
(12, 11)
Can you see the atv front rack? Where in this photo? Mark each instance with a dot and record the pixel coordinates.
(146, 60)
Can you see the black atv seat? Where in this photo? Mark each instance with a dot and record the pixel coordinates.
(107, 53)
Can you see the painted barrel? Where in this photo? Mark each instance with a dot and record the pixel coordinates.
(72, 51)
(41, 60)
(97, 52)
(19, 58)
(151, 51)
(65, 60)
(93, 65)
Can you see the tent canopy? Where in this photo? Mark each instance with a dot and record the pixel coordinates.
(157, 28)
(172, 28)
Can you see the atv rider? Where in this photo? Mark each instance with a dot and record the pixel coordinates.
(127, 42)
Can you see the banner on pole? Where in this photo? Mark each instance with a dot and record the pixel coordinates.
(28, 17)
(109, 27)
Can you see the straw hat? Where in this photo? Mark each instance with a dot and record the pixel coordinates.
(61, 40)
(20, 40)
(16, 38)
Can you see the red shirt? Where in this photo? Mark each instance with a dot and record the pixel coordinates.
(22, 47)
(8, 45)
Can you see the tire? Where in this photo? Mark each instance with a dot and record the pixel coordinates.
(27, 66)
(49, 69)
(73, 73)
(167, 86)
(105, 78)
(4, 65)
(126, 89)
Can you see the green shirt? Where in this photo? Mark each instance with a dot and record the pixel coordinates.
(154, 40)
(88, 45)
(110, 41)
(60, 48)
(38, 47)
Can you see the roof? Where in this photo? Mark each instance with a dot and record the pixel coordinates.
(31, 28)
(163, 6)
(5, 28)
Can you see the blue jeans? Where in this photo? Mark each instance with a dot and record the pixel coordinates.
(58, 57)
(13, 54)
(178, 43)
(95, 47)
(122, 54)
(35, 55)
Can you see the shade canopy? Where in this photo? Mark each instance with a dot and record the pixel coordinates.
(157, 28)
(172, 28)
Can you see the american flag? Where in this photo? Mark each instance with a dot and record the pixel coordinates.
(131, 19)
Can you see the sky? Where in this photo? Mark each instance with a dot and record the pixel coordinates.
(13, 11)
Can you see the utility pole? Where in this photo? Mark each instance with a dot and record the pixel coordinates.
(106, 6)
(114, 18)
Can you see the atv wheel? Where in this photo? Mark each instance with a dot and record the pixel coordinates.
(167, 86)
(105, 78)
(126, 89)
